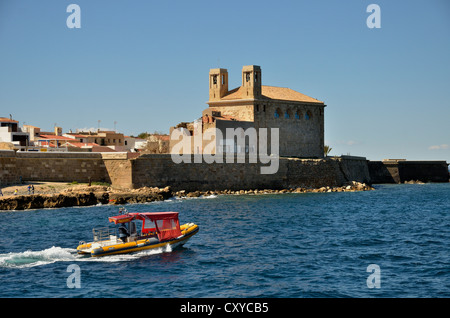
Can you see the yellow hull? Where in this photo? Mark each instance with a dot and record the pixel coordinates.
(104, 248)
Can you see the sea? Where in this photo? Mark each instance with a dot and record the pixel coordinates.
(392, 242)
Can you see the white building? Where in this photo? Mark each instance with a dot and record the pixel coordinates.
(11, 132)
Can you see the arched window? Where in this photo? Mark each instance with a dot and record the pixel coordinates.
(308, 115)
(297, 115)
(287, 114)
(277, 113)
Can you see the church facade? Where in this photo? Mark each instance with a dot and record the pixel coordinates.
(299, 118)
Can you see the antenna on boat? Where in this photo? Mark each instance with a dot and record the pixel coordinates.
(122, 210)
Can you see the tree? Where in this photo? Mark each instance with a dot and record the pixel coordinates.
(326, 150)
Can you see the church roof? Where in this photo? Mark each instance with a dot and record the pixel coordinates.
(273, 92)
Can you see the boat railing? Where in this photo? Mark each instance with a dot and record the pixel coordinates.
(104, 233)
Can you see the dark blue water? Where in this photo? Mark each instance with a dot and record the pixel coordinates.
(283, 245)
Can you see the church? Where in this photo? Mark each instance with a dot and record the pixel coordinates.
(299, 118)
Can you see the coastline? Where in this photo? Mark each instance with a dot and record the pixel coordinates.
(59, 195)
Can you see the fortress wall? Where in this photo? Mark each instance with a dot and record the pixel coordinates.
(118, 169)
(333, 171)
(383, 173)
(399, 171)
(425, 171)
(159, 170)
(353, 168)
(8, 167)
(56, 167)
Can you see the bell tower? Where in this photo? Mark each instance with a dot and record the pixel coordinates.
(218, 83)
(251, 81)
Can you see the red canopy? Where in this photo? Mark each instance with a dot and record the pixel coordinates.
(124, 218)
(165, 224)
(155, 215)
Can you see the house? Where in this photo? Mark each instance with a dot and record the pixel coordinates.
(111, 139)
(12, 133)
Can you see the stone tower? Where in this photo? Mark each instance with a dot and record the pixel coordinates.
(251, 81)
(218, 83)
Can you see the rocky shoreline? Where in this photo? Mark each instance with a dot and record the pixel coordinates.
(85, 195)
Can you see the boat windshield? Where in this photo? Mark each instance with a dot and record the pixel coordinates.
(103, 233)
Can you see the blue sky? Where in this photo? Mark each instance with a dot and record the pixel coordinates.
(145, 64)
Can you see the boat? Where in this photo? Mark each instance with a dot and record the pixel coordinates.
(133, 232)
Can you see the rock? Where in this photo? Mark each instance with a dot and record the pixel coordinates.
(194, 194)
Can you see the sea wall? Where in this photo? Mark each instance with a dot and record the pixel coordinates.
(16, 167)
(8, 167)
(158, 170)
(399, 171)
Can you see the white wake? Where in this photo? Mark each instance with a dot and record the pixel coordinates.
(59, 254)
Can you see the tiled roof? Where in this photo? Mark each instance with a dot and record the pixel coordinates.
(54, 137)
(102, 149)
(7, 120)
(82, 144)
(273, 92)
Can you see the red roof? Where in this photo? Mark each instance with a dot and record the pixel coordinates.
(102, 149)
(82, 144)
(54, 137)
(7, 120)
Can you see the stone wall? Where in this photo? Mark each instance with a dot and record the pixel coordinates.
(61, 167)
(112, 168)
(118, 169)
(399, 171)
(8, 167)
(160, 170)
(299, 137)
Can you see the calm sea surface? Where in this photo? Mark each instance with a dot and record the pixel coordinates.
(281, 245)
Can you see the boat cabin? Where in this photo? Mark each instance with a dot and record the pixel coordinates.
(134, 226)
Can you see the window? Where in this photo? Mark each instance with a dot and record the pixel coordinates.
(223, 79)
(247, 77)
(297, 116)
(257, 108)
(308, 115)
(277, 113)
(286, 115)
